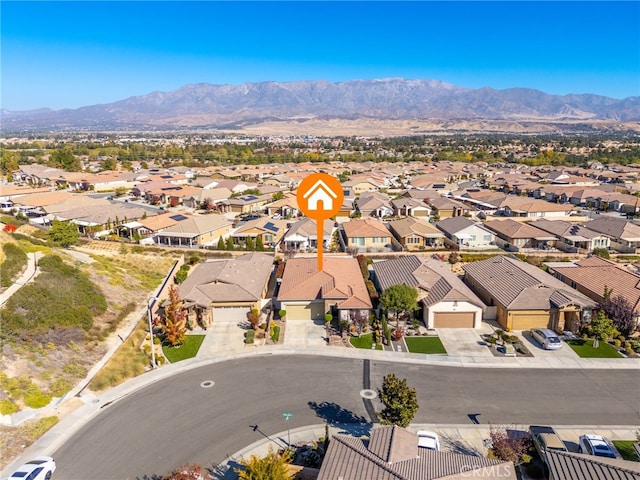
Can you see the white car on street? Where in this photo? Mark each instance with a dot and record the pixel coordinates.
(428, 440)
(40, 468)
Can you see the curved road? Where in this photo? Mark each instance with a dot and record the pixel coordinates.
(176, 420)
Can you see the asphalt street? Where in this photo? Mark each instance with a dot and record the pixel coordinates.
(181, 419)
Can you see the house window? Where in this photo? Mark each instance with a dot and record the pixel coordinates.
(268, 238)
(358, 241)
(413, 240)
(486, 238)
(472, 238)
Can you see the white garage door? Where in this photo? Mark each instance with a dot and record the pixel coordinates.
(230, 314)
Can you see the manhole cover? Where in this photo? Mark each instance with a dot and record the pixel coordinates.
(207, 384)
(368, 394)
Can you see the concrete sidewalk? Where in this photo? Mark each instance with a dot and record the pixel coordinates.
(27, 276)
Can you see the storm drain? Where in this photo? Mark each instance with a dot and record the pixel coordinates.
(207, 384)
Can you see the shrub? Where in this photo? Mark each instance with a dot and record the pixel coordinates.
(617, 343)
(156, 340)
(36, 398)
(282, 313)
(328, 317)
(275, 336)
(60, 387)
(249, 336)
(14, 261)
(7, 407)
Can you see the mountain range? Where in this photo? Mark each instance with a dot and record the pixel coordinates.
(246, 106)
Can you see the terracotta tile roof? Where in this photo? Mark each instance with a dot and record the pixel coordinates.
(392, 453)
(241, 279)
(158, 222)
(532, 205)
(340, 279)
(513, 229)
(367, 227)
(575, 466)
(416, 226)
(594, 273)
(198, 224)
(518, 285)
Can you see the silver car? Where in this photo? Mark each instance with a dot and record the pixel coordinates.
(548, 339)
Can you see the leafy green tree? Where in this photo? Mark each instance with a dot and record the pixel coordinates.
(400, 401)
(65, 159)
(250, 244)
(259, 244)
(63, 234)
(109, 163)
(8, 162)
(275, 466)
(230, 245)
(398, 299)
(602, 326)
(221, 244)
(277, 196)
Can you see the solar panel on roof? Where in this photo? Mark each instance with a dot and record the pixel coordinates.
(178, 217)
(250, 197)
(270, 226)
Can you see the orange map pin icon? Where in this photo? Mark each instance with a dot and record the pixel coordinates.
(320, 197)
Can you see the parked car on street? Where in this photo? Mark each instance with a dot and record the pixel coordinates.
(548, 339)
(428, 440)
(545, 438)
(592, 444)
(40, 468)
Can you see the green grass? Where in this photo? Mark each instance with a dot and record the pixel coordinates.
(427, 345)
(584, 348)
(364, 341)
(188, 349)
(625, 447)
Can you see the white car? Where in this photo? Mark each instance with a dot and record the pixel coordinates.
(428, 440)
(40, 468)
(548, 339)
(592, 444)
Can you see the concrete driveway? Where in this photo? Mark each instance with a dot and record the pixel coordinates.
(305, 333)
(465, 342)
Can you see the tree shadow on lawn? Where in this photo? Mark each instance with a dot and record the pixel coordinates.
(341, 418)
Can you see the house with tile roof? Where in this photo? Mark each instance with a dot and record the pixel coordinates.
(576, 466)
(623, 234)
(446, 207)
(366, 234)
(286, 207)
(303, 235)
(416, 233)
(410, 207)
(195, 231)
(226, 289)
(463, 233)
(592, 275)
(572, 237)
(515, 236)
(445, 301)
(374, 204)
(525, 296)
(392, 453)
(307, 294)
(269, 230)
(526, 207)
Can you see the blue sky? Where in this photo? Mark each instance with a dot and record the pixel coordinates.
(70, 54)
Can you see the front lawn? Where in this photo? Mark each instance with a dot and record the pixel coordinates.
(625, 447)
(188, 349)
(584, 348)
(364, 341)
(429, 345)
